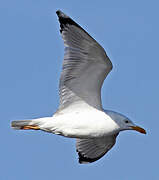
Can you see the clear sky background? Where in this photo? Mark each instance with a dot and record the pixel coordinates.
(31, 53)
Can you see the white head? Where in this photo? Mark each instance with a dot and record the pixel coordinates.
(123, 122)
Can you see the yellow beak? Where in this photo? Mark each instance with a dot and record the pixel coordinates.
(139, 129)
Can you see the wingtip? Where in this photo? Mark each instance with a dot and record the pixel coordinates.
(82, 159)
(64, 19)
(60, 14)
(57, 12)
(85, 160)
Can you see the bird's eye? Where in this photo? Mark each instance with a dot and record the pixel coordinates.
(126, 121)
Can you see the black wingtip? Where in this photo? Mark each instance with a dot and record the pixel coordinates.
(85, 160)
(64, 20)
(82, 159)
(60, 14)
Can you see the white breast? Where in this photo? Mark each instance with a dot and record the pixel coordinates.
(85, 122)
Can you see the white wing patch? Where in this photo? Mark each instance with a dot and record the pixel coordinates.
(85, 65)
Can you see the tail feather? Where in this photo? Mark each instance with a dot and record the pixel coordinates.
(24, 125)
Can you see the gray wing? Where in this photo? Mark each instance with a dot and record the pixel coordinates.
(90, 150)
(85, 65)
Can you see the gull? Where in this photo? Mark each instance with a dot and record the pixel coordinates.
(80, 114)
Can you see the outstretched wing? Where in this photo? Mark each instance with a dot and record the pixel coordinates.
(90, 150)
(85, 65)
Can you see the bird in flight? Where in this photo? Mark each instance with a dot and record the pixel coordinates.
(80, 114)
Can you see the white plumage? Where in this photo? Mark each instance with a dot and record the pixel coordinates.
(80, 114)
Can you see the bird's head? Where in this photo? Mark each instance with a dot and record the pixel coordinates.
(123, 122)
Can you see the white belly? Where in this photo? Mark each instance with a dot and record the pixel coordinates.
(84, 124)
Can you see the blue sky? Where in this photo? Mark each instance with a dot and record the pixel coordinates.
(31, 53)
